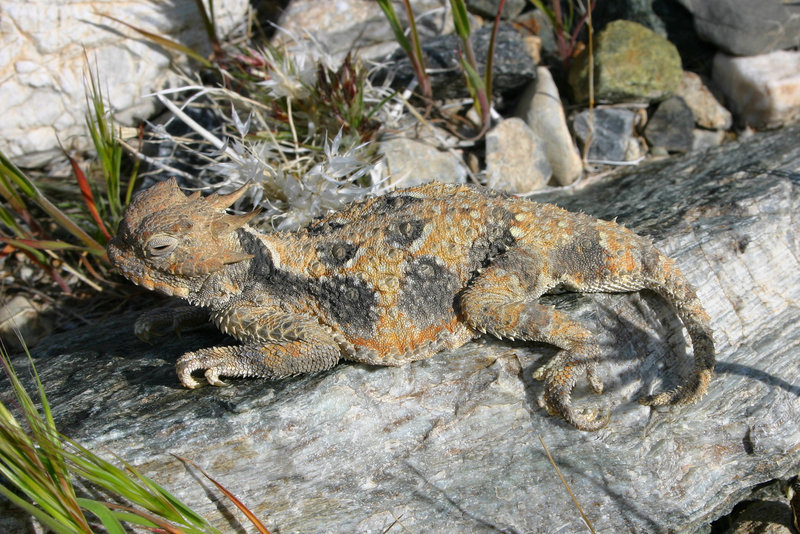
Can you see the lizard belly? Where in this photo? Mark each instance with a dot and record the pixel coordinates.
(398, 342)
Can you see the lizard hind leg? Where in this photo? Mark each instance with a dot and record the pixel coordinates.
(503, 301)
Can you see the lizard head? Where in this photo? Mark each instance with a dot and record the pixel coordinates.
(171, 243)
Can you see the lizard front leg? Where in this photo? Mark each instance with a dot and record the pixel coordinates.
(276, 345)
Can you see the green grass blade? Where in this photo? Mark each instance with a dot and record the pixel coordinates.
(27, 187)
(40, 463)
(143, 518)
(39, 244)
(6, 190)
(17, 176)
(210, 25)
(460, 18)
(32, 460)
(133, 518)
(394, 22)
(100, 124)
(487, 76)
(42, 517)
(106, 516)
(380, 104)
(134, 487)
(8, 219)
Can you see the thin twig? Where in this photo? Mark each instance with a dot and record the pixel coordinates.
(564, 481)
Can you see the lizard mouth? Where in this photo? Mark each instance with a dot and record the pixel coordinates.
(134, 271)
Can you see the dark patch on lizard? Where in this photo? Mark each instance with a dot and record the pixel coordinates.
(428, 292)
(393, 203)
(336, 253)
(349, 301)
(261, 266)
(584, 254)
(403, 233)
(495, 240)
(345, 299)
(323, 227)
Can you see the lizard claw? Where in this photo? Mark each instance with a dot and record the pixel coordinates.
(558, 401)
(212, 375)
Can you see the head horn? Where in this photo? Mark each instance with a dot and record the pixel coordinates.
(228, 223)
(223, 202)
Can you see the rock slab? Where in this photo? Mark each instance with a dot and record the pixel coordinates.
(451, 444)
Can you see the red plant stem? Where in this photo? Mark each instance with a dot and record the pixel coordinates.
(88, 198)
(490, 54)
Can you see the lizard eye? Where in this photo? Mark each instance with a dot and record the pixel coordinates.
(161, 245)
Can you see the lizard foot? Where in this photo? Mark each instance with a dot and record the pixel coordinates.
(559, 381)
(560, 361)
(215, 362)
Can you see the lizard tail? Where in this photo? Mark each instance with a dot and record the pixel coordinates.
(670, 283)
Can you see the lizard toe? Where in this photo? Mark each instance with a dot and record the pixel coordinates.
(595, 382)
(186, 365)
(212, 375)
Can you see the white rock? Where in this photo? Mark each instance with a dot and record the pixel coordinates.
(540, 107)
(707, 111)
(764, 91)
(413, 162)
(346, 25)
(42, 44)
(515, 158)
(22, 315)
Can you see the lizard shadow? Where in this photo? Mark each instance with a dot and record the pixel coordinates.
(644, 349)
(641, 340)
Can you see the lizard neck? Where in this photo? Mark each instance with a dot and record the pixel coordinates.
(238, 280)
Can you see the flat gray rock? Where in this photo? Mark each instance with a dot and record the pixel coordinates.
(451, 444)
(671, 126)
(746, 28)
(612, 130)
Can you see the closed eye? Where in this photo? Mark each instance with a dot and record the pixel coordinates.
(161, 245)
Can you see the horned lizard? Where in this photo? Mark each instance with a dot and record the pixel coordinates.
(397, 278)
